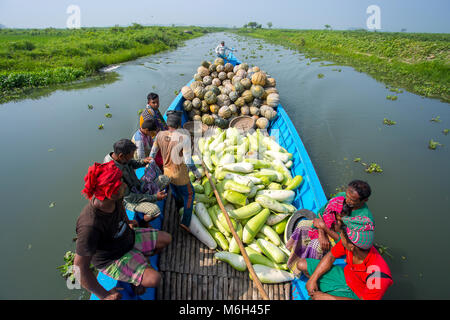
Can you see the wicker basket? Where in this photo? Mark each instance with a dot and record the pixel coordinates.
(244, 123)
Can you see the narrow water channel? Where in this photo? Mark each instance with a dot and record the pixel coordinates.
(49, 141)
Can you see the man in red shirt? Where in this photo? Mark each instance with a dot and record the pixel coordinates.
(366, 275)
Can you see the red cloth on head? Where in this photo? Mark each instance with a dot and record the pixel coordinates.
(102, 180)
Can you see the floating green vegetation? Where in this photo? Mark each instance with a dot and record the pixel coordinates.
(181, 74)
(396, 90)
(320, 75)
(90, 106)
(107, 106)
(393, 98)
(388, 122)
(176, 92)
(338, 70)
(383, 250)
(369, 168)
(436, 119)
(101, 127)
(432, 145)
(446, 131)
(108, 115)
(373, 167)
(52, 204)
(67, 268)
(342, 188)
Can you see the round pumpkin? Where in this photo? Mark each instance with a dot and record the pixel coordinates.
(196, 103)
(222, 76)
(205, 107)
(236, 68)
(187, 105)
(262, 123)
(230, 75)
(223, 100)
(233, 108)
(241, 73)
(273, 99)
(202, 71)
(234, 95)
(220, 68)
(238, 87)
(257, 102)
(197, 77)
(214, 108)
(214, 74)
(199, 92)
(228, 67)
(212, 68)
(215, 89)
(254, 111)
(205, 64)
(236, 79)
(245, 110)
(210, 97)
(257, 91)
(270, 82)
(247, 95)
(197, 118)
(256, 69)
(208, 119)
(243, 66)
(221, 123)
(259, 78)
(187, 93)
(219, 61)
(240, 102)
(207, 80)
(246, 83)
(216, 82)
(224, 112)
(196, 84)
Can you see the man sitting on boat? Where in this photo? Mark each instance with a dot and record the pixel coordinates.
(366, 275)
(109, 240)
(313, 238)
(136, 199)
(175, 147)
(221, 50)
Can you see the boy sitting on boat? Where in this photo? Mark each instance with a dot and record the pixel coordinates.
(221, 50)
(175, 147)
(136, 199)
(109, 240)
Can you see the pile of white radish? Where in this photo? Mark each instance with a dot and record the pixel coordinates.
(251, 173)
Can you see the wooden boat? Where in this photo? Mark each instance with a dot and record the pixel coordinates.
(189, 272)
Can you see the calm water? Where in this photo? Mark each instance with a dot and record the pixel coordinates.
(49, 141)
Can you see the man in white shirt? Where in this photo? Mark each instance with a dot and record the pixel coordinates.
(221, 50)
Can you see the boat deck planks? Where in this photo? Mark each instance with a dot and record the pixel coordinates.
(190, 272)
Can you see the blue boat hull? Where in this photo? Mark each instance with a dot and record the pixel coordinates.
(309, 196)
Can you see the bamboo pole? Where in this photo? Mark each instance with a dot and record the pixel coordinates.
(236, 237)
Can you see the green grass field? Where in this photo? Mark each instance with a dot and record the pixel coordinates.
(418, 62)
(31, 58)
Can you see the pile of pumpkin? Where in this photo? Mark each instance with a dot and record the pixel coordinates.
(221, 92)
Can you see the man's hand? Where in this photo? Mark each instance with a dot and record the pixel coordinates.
(319, 224)
(147, 160)
(133, 224)
(161, 195)
(113, 294)
(324, 242)
(311, 287)
(319, 295)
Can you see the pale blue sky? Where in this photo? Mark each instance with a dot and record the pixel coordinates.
(414, 15)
